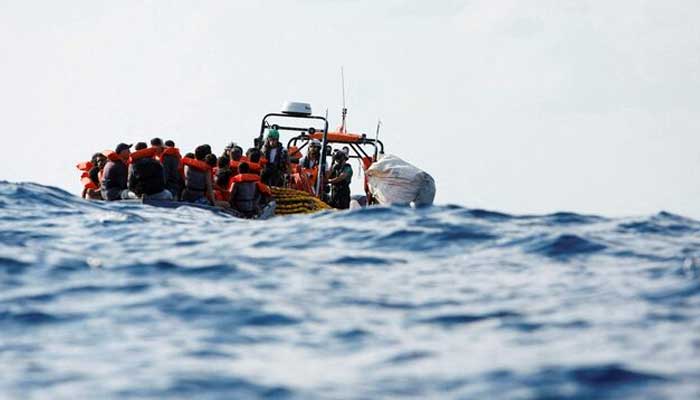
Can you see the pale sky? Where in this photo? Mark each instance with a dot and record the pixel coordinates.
(516, 106)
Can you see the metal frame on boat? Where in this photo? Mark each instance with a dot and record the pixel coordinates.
(360, 145)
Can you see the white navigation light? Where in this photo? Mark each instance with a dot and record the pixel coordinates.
(296, 108)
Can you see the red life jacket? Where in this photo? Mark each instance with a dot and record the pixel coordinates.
(149, 152)
(199, 165)
(87, 182)
(84, 166)
(111, 155)
(243, 178)
(171, 151)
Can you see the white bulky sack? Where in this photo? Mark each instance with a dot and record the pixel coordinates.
(394, 181)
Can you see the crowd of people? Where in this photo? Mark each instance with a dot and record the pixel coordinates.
(232, 180)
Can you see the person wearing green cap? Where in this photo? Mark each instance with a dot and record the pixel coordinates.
(277, 164)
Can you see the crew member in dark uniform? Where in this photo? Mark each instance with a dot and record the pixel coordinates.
(339, 179)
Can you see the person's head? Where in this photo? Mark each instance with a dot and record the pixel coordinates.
(123, 151)
(224, 162)
(315, 147)
(99, 160)
(236, 153)
(189, 155)
(254, 154)
(140, 146)
(158, 144)
(200, 152)
(210, 159)
(97, 157)
(340, 157)
(169, 143)
(243, 168)
(273, 137)
(206, 146)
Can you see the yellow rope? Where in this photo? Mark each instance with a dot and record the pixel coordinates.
(292, 201)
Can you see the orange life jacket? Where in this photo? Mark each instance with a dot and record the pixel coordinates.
(199, 165)
(263, 188)
(221, 194)
(111, 155)
(85, 166)
(148, 152)
(87, 182)
(171, 151)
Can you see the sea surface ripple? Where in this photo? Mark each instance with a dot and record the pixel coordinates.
(130, 301)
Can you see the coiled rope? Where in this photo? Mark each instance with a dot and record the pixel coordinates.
(292, 201)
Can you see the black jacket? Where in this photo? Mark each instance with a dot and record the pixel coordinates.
(146, 177)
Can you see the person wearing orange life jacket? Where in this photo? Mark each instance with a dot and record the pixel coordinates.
(236, 156)
(91, 176)
(170, 159)
(114, 177)
(274, 171)
(254, 160)
(198, 182)
(146, 178)
(248, 193)
(222, 180)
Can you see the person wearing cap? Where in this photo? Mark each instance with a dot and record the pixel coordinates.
(313, 156)
(339, 179)
(277, 164)
(114, 176)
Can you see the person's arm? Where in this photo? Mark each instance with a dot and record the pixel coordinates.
(339, 178)
(210, 190)
(131, 180)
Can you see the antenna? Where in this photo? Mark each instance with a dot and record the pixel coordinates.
(345, 110)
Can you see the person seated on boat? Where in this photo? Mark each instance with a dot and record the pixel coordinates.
(146, 178)
(170, 159)
(248, 194)
(254, 156)
(115, 174)
(96, 165)
(274, 171)
(222, 179)
(236, 157)
(198, 182)
(339, 179)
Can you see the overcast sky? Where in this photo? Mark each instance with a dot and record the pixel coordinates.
(517, 106)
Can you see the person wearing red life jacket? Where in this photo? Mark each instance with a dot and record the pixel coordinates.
(115, 174)
(170, 158)
(146, 178)
(92, 175)
(198, 182)
(222, 179)
(248, 193)
(236, 156)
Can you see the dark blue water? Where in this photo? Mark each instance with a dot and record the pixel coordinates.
(129, 301)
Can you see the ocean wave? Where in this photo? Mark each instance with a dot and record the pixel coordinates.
(117, 300)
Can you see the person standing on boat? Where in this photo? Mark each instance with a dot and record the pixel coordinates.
(114, 177)
(339, 179)
(313, 156)
(277, 164)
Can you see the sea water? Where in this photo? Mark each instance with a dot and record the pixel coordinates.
(127, 301)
